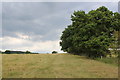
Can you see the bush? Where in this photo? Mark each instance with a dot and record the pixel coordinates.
(54, 52)
(27, 52)
(7, 52)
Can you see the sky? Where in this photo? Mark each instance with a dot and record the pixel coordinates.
(37, 26)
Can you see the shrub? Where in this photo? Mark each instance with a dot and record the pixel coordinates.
(54, 52)
(27, 52)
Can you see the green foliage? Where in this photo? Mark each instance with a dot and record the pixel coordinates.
(54, 52)
(114, 45)
(8, 52)
(90, 33)
(16, 52)
(27, 52)
(112, 61)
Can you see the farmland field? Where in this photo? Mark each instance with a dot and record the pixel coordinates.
(55, 66)
(0, 65)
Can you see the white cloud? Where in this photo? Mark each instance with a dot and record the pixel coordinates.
(23, 36)
(13, 43)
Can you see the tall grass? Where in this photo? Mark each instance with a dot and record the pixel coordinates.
(109, 60)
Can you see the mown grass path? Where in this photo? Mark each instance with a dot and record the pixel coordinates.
(55, 66)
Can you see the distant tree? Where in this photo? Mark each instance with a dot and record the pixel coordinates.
(54, 52)
(90, 33)
(0, 51)
(7, 52)
(27, 52)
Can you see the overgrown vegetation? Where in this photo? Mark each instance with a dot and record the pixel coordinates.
(91, 33)
(112, 60)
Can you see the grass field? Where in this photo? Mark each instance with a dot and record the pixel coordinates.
(0, 65)
(55, 66)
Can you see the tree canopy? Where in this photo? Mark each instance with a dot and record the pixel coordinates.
(90, 33)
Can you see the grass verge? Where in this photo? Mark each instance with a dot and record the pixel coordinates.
(112, 60)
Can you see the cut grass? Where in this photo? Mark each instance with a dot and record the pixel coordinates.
(55, 66)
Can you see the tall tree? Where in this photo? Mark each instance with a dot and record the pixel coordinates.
(90, 33)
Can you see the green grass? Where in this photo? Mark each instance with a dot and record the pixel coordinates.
(112, 60)
(55, 66)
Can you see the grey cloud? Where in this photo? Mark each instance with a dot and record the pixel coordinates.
(42, 19)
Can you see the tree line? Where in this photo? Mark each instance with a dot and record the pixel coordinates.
(17, 52)
(22, 52)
